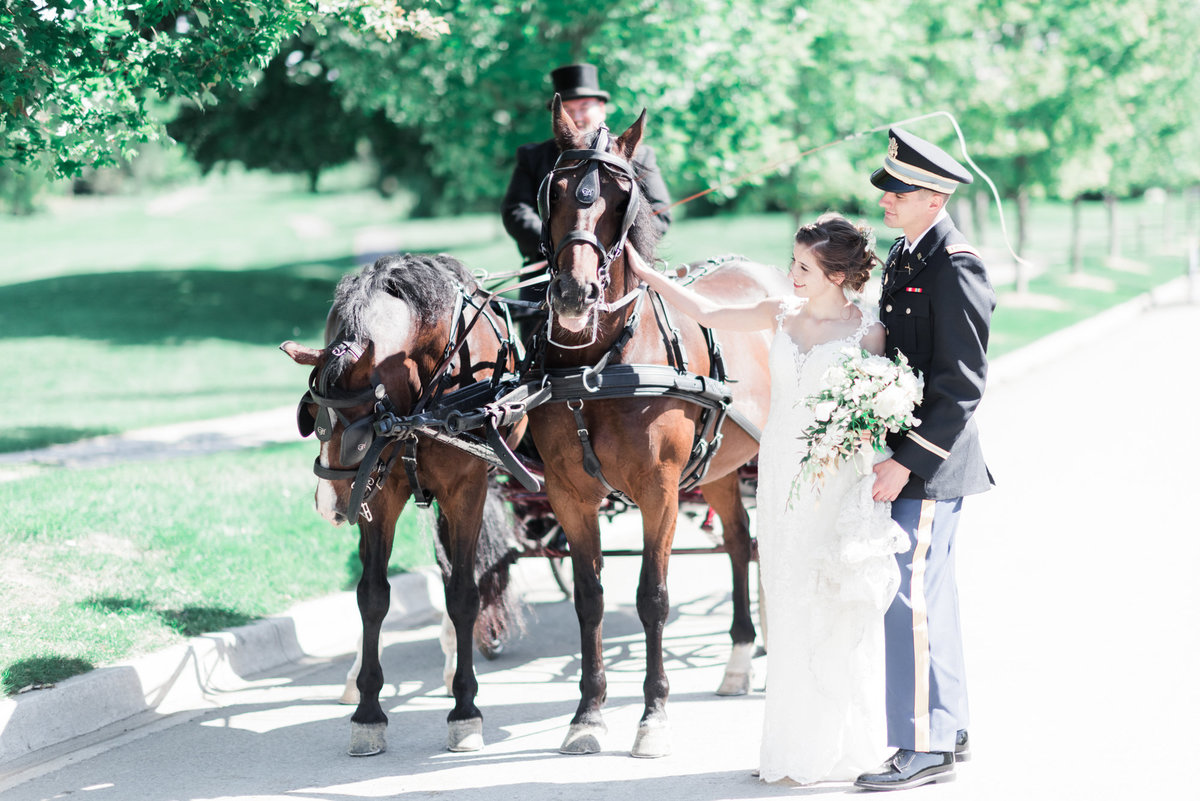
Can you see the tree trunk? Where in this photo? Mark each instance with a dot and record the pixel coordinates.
(314, 177)
(963, 219)
(1114, 238)
(1022, 267)
(1077, 235)
(981, 209)
(1168, 226)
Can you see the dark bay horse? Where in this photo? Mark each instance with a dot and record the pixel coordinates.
(641, 445)
(388, 339)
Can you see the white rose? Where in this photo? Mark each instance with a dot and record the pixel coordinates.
(834, 377)
(893, 402)
(823, 411)
(878, 367)
(912, 386)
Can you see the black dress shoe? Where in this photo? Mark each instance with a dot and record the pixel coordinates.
(962, 746)
(909, 769)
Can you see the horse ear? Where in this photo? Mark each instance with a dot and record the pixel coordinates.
(301, 354)
(628, 142)
(565, 132)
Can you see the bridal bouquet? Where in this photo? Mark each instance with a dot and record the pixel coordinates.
(864, 397)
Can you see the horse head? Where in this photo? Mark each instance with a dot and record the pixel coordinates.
(590, 205)
(382, 350)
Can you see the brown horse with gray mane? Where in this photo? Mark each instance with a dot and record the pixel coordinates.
(400, 333)
(641, 445)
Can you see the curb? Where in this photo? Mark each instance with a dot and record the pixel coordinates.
(192, 675)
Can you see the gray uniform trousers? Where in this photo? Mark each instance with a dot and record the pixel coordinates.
(926, 678)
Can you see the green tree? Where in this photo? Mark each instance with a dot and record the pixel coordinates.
(714, 75)
(290, 120)
(78, 77)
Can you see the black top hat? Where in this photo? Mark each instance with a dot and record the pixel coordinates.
(575, 81)
(912, 163)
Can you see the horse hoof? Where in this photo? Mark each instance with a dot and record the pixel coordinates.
(491, 649)
(738, 671)
(350, 694)
(735, 684)
(653, 741)
(368, 739)
(465, 735)
(582, 739)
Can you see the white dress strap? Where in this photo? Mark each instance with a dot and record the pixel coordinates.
(868, 320)
(786, 306)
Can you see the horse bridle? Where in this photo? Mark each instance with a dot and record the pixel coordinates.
(591, 160)
(365, 439)
(359, 437)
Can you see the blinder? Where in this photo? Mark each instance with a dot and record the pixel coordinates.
(305, 421)
(356, 439)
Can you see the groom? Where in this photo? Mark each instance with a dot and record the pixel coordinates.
(936, 304)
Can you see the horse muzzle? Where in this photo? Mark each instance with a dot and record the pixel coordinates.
(572, 300)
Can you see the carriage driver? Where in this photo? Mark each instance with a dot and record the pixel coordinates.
(936, 305)
(585, 102)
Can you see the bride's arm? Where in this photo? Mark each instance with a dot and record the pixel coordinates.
(704, 310)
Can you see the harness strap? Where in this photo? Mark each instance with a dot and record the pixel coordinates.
(670, 333)
(365, 483)
(717, 360)
(420, 495)
(591, 463)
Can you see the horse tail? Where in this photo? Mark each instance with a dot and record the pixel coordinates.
(501, 611)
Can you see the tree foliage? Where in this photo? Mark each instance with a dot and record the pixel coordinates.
(1055, 99)
(78, 77)
(289, 120)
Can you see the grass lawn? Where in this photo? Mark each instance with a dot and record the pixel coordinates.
(129, 312)
(123, 560)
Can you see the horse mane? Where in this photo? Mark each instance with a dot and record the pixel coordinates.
(427, 283)
(644, 234)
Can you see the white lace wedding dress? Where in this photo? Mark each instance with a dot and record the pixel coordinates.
(828, 571)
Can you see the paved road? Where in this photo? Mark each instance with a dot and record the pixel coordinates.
(1078, 591)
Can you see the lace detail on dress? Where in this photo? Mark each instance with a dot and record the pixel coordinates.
(829, 571)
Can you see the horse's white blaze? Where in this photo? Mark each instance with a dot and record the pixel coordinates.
(326, 494)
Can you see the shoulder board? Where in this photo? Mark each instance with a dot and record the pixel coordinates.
(962, 248)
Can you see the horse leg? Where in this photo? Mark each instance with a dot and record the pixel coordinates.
(458, 528)
(724, 495)
(653, 604)
(368, 724)
(583, 538)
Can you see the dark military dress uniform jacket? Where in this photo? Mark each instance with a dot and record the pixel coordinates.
(534, 162)
(936, 304)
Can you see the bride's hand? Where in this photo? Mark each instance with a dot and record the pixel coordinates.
(639, 267)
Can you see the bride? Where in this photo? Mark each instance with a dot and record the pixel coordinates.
(827, 554)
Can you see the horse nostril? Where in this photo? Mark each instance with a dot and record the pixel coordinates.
(593, 293)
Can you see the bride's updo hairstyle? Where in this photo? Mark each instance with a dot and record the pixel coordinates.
(842, 248)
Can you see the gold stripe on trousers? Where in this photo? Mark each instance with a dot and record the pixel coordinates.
(920, 613)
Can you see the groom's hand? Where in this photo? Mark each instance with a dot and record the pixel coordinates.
(890, 478)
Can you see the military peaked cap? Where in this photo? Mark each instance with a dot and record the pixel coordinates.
(912, 163)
